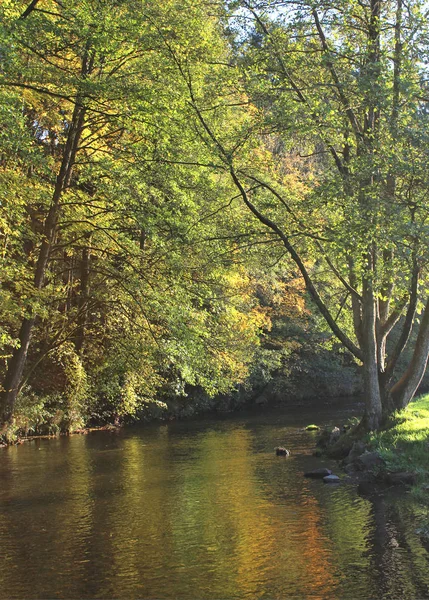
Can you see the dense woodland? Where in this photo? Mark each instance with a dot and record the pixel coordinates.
(198, 197)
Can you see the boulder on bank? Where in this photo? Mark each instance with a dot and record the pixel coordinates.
(371, 484)
(365, 461)
(318, 473)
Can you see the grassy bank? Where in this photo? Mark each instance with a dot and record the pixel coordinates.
(405, 445)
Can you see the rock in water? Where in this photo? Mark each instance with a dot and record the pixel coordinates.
(318, 473)
(312, 428)
(331, 479)
(280, 451)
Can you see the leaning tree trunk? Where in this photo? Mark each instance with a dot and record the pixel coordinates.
(403, 391)
(18, 360)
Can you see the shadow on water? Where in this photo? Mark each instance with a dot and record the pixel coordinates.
(200, 509)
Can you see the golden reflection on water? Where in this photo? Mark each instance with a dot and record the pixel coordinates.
(198, 512)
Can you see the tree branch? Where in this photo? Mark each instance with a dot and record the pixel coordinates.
(341, 168)
(29, 10)
(317, 240)
(344, 339)
(408, 323)
(343, 99)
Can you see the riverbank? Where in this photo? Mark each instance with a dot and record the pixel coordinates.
(21, 439)
(404, 446)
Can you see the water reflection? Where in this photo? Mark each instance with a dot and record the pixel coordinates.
(197, 510)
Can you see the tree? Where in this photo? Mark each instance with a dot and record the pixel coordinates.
(344, 82)
(110, 265)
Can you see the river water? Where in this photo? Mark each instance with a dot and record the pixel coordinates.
(200, 509)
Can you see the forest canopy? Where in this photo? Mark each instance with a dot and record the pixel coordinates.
(190, 190)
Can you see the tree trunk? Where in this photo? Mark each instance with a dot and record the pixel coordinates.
(14, 372)
(17, 362)
(403, 391)
(373, 407)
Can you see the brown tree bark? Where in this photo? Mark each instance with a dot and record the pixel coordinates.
(403, 391)
(373, 405)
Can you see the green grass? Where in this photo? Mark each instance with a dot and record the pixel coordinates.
(405, 444)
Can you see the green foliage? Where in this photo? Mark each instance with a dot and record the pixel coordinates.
(72, 401)
(36, 415)
(158, 279)
(146, 290)
(62, 405)
(405, 441)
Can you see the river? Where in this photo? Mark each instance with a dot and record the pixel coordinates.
(201, 509)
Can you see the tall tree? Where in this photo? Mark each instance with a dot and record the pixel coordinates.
(108, 263)
(343, 82)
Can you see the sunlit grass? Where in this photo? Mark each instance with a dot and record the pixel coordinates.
(405, 444)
